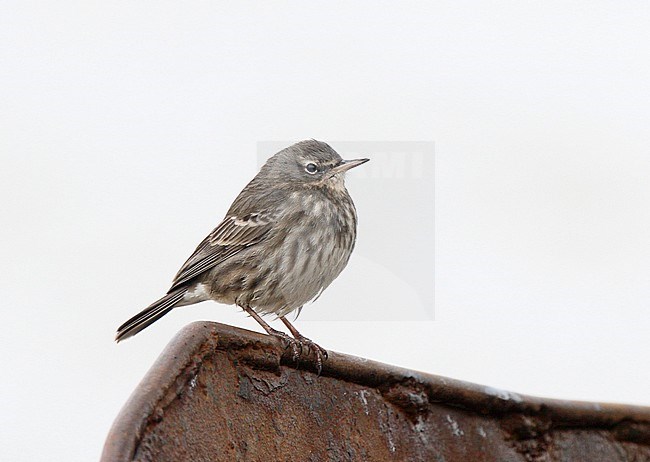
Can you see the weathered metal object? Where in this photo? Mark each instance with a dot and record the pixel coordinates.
(218, 393)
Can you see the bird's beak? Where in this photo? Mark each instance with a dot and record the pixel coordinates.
(346, 165)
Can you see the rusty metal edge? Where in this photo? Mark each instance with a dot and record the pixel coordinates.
(198, 339)
(128, 427)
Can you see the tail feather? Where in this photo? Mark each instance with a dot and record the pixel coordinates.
(149, 315)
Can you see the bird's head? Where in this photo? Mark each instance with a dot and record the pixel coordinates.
(308, 164)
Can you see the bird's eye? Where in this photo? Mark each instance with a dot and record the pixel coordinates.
(311, 168)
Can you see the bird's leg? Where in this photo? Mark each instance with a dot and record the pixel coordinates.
(296, 346)
(319, 351)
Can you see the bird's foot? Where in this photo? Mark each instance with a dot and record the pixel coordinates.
(319, 352)
(289, 342)
(298, 343)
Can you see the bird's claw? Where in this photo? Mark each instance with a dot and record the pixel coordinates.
(319, 352)
(289, 342)
(297, 344)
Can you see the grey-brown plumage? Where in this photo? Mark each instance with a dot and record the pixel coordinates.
(285, 238)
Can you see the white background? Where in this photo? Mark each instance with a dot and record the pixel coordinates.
(127, 128)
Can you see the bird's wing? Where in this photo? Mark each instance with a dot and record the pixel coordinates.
(233, 235)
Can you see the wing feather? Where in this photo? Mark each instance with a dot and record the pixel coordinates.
(230, 237)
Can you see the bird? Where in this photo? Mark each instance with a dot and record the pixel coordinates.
(288, 234)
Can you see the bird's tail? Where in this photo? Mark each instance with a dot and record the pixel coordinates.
(149, 315)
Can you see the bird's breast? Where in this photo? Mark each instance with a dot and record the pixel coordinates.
(312, 244)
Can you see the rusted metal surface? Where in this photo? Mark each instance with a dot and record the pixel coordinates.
(218, 393)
